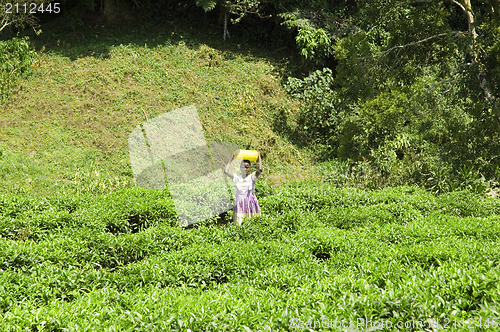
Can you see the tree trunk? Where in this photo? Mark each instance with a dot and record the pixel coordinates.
(223, 18)
(483, 83)
(226, 32)
(110, 10)
(472, 26)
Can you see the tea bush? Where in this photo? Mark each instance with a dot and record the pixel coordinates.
(318, 252)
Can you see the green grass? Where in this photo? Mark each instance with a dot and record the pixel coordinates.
(120, 262)
(92, 87)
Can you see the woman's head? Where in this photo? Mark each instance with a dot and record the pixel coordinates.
(245, 166)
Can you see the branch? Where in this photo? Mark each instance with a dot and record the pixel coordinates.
(440, 83)
(431, 1)
(459, 5)
(5, 23)
(451, 79)
(411, 44)
(483, 84)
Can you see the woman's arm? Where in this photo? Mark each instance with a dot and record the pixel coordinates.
(226, 170)
(259, 169)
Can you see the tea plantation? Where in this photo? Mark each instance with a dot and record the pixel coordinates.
(319, 258)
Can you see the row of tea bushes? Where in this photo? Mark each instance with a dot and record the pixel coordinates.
(215, 281)
(126, 211)
(317, 253)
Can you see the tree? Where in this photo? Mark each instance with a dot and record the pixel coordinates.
(16, 14)
(414, 87)
(239, 8)
(466, 7)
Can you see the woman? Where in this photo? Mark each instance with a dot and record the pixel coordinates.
(246, 204)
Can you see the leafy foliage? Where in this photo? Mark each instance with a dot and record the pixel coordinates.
(16, 58)
(314, 44)
(317, 251)
(408, 103)
(207, 5)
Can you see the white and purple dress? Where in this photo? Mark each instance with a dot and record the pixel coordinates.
(246, 204)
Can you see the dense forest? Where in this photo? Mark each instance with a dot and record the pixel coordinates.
(408, 89)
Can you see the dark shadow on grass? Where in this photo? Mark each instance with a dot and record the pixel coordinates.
(281, 125)
(96, 40)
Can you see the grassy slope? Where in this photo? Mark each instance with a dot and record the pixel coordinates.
(66, 128)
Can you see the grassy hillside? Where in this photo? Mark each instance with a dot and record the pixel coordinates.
(65, 130)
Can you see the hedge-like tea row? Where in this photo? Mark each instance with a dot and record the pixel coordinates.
(318, 252)
(312, 196)
(126, 211)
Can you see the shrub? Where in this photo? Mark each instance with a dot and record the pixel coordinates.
(393, 254)
(16, 57)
